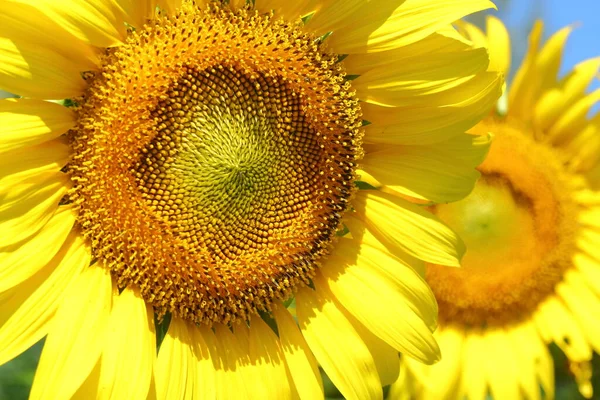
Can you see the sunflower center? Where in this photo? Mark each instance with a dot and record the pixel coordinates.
(214, 156)
(518, 224)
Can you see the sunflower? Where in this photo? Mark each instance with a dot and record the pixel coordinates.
(196, 171)
(531, 273)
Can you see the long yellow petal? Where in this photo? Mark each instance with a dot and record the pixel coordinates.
(289, 10)
(383, 25)
(27, 24)
(440, 381)
(267, 363)
(138, 12)
(557, 324)
(24, 163)
(29, 70)
(401, 224)
(532, 359)
(442, 172)
(590, 268)
(433, 123)
(27, 122)
(29, 206)
(228, 357)
(570, 90)
(474, 382)
(384, 355)
(537, 74)
(300, 360)
(18, 263)
(418, 80)
(76, 337)
(584, 305)
(445, 41)
(97, 22)
(203, 339)
(498, 45)
(395, 303)
(336, 345)
(26, 316)
(175, 369)
(573, 119)
(501, 366)
(405, 387)
(129, 349)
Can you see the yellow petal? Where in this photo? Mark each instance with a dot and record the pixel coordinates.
(440, 381)
(557, 324)
(289, 10)
(583, 303)
(583, 148)
(336, 345)
(228, 357)
(573, 119)
(97, 22)
(170, 6)
(26, 316)
(474, 382)
(473, 33)
(498, 45)
(395, 303)
(30, 205)
(25, 23)
(175, 367)
(18, 263)
(400, 224)
(538, 72)
(445, 41)
(27, 122)
(384, 355)
(89, 387)
(138, 12)
(300, 360)
(520, 84)
(418, 80)
(381, 25)
(405, 387)
(24, 163)
(29, 70)
(267, 363)
(501, 366)
(431, 123)
(570, 90)
(76, 337)
(203, 339)
(533, 359)
(590, 268)
(442, 172)
(129, 349)
(525, 345)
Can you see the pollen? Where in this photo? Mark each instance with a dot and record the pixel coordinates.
(213, 159)
(519, 225)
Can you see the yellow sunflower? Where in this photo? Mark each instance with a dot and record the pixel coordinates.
(197, 170)
(531, 274)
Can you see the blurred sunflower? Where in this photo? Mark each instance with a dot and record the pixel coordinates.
(531, 274)
(200, 170)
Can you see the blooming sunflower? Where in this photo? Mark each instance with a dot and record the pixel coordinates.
(531, 225)
(199, 172)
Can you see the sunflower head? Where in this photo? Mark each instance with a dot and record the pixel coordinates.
(235, 157)
(208, 164)
(530, 227)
